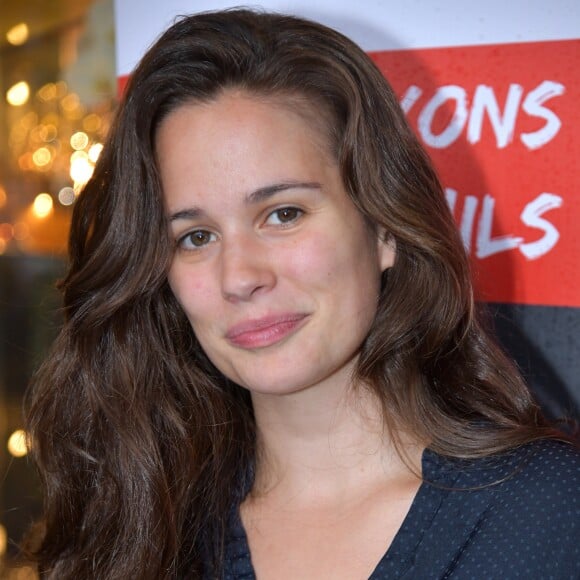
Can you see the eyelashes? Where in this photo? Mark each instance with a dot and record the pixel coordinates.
(284, 215)
(197, 239)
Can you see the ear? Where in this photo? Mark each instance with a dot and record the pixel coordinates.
(387, 249)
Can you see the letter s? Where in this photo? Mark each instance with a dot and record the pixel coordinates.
(531, 216)
(533, 105)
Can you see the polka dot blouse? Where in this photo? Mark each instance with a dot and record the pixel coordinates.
(511, 516)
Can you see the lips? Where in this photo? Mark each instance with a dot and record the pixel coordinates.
(266, 331)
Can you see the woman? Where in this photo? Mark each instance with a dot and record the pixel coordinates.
(271, 345)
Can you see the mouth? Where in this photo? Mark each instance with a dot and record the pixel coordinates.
(263, 332)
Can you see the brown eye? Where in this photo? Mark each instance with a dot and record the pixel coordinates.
(284, 215)
(196, 239)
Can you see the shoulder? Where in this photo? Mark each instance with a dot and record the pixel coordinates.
(544, 484)
(516, 514)
(539, 477)
(541, 462)
(549, 464)
(532, 510)
(549, 467)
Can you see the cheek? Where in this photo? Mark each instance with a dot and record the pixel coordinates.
(344, 272)
(331, 258)
(192, 291)
(314, 258)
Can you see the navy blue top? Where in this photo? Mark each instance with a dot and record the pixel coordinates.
(523, 523)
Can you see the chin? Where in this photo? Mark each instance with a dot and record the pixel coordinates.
(275, 384)
(279, 379)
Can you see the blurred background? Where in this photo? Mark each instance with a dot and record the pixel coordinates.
(57, 94)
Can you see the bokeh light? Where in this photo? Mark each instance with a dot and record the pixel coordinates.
(41, 157)
(17, 446)
(47, 92)
(18, 34)
(66, 196)
(48, 132)
(79, 140)
(43, 205)
(81, 169)
(95, 151)
(92, 123)
(18, 94)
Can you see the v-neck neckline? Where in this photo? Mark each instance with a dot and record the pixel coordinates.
(435, 485)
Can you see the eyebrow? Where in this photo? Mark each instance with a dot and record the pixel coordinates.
(257, 196)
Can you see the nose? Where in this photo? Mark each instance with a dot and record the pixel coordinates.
(247, 268)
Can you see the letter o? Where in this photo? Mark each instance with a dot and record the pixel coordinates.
(457, 123)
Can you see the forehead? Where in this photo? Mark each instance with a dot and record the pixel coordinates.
(309, 110)
(237, 143)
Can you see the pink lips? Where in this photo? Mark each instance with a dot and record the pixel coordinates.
(262, 332)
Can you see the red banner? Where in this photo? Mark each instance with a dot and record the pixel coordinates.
(502, 124)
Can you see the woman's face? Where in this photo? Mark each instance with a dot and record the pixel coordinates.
(275, 268)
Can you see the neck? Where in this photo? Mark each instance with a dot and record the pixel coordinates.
(325, 440)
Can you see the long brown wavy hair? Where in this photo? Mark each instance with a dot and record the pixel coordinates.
(142, 445)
